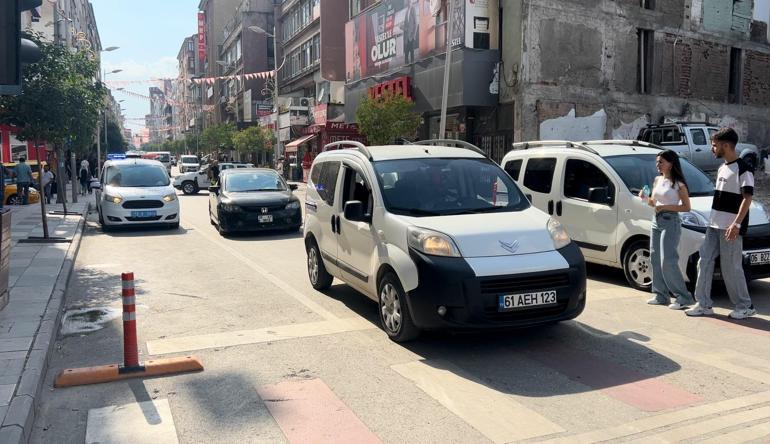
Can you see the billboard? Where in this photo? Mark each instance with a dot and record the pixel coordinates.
(202, 36)
(400, 32)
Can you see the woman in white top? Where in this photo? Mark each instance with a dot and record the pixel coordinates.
(669, 198)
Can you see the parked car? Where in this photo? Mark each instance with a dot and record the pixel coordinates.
(193, 182)
(592, 189)
(11, 196)
(692, 141)
(136, 192)
(188, 164)
(163, 157)
(440, 237)
(253, 200)
(34, 165)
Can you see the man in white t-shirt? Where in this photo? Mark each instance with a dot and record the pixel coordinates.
(728, 223)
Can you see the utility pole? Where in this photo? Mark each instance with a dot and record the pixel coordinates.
(447, 65)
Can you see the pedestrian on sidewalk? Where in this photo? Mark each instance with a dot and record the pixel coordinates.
(23, 174)
(729, 221)
(47, 181)
(85, 179)
(669, 197)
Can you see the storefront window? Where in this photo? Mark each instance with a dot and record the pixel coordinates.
(454, 129)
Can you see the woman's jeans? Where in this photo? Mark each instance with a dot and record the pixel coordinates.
(667, 279)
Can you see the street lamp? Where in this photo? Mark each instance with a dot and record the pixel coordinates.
(98, 143)
(258, 30)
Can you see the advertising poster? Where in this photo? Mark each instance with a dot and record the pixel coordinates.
(481, 24)
(399, 32)
(202, 36)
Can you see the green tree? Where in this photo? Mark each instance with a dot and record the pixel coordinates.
(115, 141)
(218, 137)
(389, 117)
(251, 139)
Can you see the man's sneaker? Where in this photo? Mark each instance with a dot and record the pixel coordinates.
(699, 310)
(655, 301)
(677, 306)
(743, 313)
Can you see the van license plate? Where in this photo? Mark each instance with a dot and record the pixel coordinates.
(759, 258)
(143, 214)
(514, 301)
(265, 219)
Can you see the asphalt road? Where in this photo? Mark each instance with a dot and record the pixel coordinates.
(284, 363)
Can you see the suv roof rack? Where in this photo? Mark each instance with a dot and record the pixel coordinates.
(549, 143)
(677, 122)
(453, 143)
(629, 142)
(350, 144)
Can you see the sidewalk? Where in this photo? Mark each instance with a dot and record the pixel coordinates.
(38, 279)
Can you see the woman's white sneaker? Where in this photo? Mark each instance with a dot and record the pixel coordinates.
(698, 310)
(742, 313)
(655, 301)
(677, 306)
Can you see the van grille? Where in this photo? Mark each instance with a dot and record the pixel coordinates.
(515, 284)
(140, 204)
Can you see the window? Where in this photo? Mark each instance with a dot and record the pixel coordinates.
(580, 176)
(324, 178)
(734, 88)
(646, 39)
(648, 4)
(671, 136)
(356, 188)
(513, 168)
(698, 137)
(539, 174)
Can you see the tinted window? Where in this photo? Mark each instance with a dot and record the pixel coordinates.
(513, 167)
(136, 176)
(671, 136)
(639, 170)
(539, 175)
(357, 188)
(580, 176)
(698, 137)
(258, 181)
(432, 187)
(327, 181)
(164, 158)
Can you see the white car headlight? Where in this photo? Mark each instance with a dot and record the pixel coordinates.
(558, 234)
(693, 219)
(169, 197)
(293, 205)
(114, 199)
(431, 242)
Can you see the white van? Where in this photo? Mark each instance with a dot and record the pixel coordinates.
(592, 189)
(440, 237)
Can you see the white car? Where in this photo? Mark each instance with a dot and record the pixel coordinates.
(188, 164)
(440, 237)
(136, 192)
(592, 189)
(193, 182)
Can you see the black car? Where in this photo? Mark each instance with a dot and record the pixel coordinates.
(253, 200)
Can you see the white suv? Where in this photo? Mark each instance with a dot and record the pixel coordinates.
(440, 237)
(592, 189)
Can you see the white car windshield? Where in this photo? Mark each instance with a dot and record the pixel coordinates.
(136, 176)
(435, 187)
(259, 181)
(639, 170)
(190, 159)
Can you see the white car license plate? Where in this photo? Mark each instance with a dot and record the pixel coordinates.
(759, 258)
(265, 219)
(143, 214)
(514, 301)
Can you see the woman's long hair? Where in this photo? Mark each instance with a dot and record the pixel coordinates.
(672, 157)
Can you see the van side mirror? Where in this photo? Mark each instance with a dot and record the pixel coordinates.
(214, 189)
(96, 185)
(354, 211)
(599, 195)
(293, 186)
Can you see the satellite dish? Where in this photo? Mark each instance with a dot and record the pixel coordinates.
(435, 7)
(321, 94)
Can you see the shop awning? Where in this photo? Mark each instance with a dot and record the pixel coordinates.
(292, 146)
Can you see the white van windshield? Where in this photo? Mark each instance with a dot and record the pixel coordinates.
(190, 159)
(136, 176)
(436, 187)
(639, 170)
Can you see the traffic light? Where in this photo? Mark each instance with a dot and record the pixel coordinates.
(14, 50)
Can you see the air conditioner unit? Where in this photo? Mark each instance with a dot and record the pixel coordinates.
(306, 101)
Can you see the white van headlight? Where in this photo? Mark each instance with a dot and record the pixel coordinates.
(693, 219)
(114, 199)
(431, 242)
(558, 234)
(169, 197)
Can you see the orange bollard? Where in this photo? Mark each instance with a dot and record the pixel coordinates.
(130, 346)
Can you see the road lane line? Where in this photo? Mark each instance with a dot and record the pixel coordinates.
(493, 414)
(308, 411)
(647, 393)
(149, 421)
(708, 426)
(665, 419)
(267, 334)
(275, 280)
(746, 434)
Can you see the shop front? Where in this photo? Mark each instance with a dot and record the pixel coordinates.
(312, 143)
(13, 149)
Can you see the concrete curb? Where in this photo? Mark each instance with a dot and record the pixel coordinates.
(17, 426)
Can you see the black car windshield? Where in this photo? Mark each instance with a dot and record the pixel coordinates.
(242, 182)
(164, 157)
(447, 186)
(639, 170)
(136, 176)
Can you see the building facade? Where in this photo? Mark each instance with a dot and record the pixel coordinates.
(187, 106)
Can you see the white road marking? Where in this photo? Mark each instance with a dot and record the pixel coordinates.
(149, 421)
(746, 434)
(666, 419)
(267, 334)
(705, 427)
(493, 414)
(275, 280)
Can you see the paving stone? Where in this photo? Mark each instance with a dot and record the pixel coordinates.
(13, 355)
(6, 393)
(15, 344)
(12, 434)
(20, 412)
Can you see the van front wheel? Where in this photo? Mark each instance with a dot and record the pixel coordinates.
(395, 317)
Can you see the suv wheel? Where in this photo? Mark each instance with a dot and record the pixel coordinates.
(189, 188)
(637, 265)
(320, 279)
(394, 311)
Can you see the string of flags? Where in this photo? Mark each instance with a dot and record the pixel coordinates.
(198, 81)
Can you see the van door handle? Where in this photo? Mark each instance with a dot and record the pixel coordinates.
(339, 225)
(334, 223)
(698, 150)
(550, 207)
(558, 208)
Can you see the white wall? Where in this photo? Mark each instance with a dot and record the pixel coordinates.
(762, 13)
